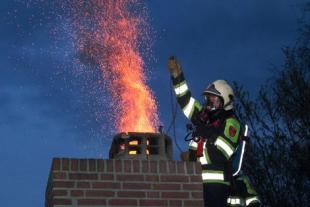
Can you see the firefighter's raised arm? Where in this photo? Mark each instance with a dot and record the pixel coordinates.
(189, 105)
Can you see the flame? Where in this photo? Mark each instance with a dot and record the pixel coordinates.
(115, 44)
(124, 64)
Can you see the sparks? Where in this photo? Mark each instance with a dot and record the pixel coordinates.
(115, 44)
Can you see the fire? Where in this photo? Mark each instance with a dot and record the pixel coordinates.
(119, 34)
(124, 64)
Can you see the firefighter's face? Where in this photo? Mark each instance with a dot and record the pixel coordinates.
(213, 102)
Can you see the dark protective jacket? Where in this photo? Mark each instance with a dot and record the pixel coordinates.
(218, 134)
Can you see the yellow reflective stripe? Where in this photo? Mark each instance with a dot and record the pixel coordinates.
(198, 106)
(224, 146)
(193, 145)
(189, 108)
(179, 84)
(212, 175)
(250, 200)
(234, 201)
(180, 90)
(205, 158)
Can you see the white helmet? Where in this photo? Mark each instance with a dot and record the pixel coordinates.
(222, 89)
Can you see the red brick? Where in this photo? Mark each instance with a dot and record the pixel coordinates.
(82, 176)
(153, 202)
(59, 192)
(110, 165)
(152, 178)
(196, 178)
(127, 166)
(180, 167)
(74, 165)
(197, 195)
(136, 165)
(173, 178)
(166, 187)
(106, 185)
(65, 164)
(59, 175)
(56, 164)
(141, 186)
(77, 193)
(83, 185)
(145, 166)
(183, 195)
(99, 193)
(130, 177)
(192, 187)
(63, 184)
(131, 194)
(123, 202)
(92, 165)
(153, 194)
(118, 165)
(61, 201)
(163, 166)
(190, 167)
(198, 169)
(83, 165)
(175, 203)
(153, 166)
(193, 203)
(172, 167)
(100, 164)
(90, 202)
(107, 177)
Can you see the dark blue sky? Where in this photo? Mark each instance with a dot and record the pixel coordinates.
(48, 104)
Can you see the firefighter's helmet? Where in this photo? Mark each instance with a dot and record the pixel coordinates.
(222, 89)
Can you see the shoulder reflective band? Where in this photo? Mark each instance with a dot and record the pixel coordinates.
(234, 201)
(188, 109)
(224, 146)
(193, 145)
(181, 89)
(242, 151)
(250, 200)
(211, 175)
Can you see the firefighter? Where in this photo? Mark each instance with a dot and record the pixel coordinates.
(216, 135)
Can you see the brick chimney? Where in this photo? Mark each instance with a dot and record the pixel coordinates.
(128, 181)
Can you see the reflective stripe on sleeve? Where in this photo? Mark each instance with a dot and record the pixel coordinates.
(204, 160)
(188, 109)
(211, 175)
(181, 89)
(250, 200)
(224, 146)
